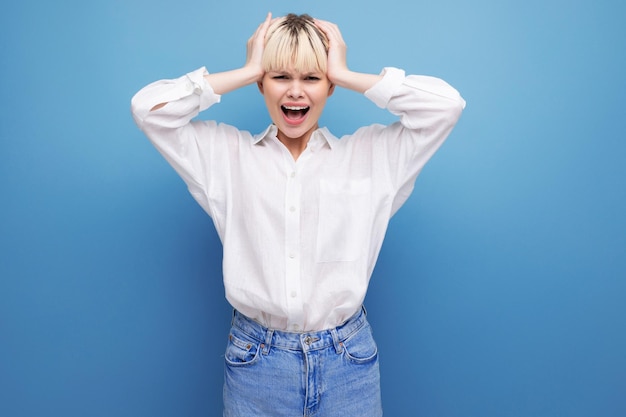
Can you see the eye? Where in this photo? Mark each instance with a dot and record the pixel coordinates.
(312, 78)
(280, 76)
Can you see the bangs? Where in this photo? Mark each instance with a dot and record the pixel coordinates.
(302, 48)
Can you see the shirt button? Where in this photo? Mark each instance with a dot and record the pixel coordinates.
(292, 255)
(292, 209)
(294, 294)
(293, 174)
(295, 327)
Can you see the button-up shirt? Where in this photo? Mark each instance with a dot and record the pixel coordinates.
(300, 237)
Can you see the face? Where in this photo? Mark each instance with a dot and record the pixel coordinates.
(295, 101)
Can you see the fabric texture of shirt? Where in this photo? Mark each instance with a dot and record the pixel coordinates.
(300, 237)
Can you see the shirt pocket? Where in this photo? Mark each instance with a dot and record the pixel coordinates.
(344, 220)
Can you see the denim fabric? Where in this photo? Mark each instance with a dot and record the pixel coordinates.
(323, 374)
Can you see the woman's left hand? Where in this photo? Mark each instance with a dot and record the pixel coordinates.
(338, 72)
(337, 50)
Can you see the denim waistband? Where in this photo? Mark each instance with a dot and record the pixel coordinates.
(306, 341)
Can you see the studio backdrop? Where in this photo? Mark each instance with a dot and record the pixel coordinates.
(500, 288)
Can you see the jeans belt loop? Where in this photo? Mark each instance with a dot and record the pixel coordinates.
(336, 342)
(268, 341)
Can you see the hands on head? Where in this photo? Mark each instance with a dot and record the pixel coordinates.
(337, 70)
(336, 47)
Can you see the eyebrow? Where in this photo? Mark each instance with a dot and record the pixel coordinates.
(303, 74)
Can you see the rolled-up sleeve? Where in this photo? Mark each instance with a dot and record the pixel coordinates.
(428, 109)
(164, 110)
(420, 100)
(184, 98)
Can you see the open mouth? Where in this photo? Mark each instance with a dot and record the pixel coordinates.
(294, 112)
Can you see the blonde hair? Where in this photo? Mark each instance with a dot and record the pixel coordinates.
(293, 41)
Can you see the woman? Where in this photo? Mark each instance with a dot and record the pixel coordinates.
(300, 213)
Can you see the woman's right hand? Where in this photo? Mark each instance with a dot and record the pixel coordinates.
(251, 72)
(255, 46)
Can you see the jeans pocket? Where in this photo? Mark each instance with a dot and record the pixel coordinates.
(360, 347)
(241, 350)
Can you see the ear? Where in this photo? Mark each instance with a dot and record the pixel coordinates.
(260, 85)
(331, 90)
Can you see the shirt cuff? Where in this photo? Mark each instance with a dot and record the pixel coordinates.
(197, 84)
(383, 90)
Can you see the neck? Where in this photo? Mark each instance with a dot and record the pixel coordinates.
(296, 145)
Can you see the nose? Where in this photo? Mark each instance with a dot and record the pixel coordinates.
(295, 89)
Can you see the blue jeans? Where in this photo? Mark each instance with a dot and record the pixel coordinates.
(327, 373)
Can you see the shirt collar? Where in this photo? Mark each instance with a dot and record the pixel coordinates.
(317, 140)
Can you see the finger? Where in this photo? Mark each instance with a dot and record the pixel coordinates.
(331, 30)
(263, 26)
(268, 20)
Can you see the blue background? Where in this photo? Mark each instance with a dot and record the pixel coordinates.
(500, 289)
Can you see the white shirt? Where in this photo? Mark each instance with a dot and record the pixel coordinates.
(300, 237)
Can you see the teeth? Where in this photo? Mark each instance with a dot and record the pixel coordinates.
(296, 108)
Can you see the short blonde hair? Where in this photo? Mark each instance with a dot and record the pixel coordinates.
(294, 41)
